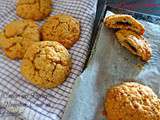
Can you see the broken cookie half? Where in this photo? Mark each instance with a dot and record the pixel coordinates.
(135, 43)
(123, 21)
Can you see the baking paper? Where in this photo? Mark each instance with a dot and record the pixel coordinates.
(111, 64)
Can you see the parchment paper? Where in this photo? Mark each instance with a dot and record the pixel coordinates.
(111, 64)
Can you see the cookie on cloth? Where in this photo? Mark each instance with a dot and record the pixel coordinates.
(123, 21)
(132, 101)
(61, 28)
(17, 36)
(34, 9)
(46, 64)
(135, 43)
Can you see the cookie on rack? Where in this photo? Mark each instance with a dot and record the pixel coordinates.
(135, 43)
(61, 28)
(17, 36)
(132, 101)
(46, 64)
(34, 9)
(123, 21)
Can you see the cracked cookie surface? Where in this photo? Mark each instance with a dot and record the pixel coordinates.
(17, 36)
(46, 64)
(61, 28)
(33, 9)
(132, 101)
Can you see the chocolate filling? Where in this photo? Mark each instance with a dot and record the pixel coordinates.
(132, 47)
(124, 23)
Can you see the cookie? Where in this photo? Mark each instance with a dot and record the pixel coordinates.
(132, 101)
(17, 36)
(135, 43)
(46, 64)
(122, 21)
(61, 28)
(34, 9)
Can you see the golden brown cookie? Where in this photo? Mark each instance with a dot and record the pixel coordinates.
(46, 64)
(33, 9)
(123, 21)
(61, 28)
(17, 36)
(132, 101)
(135, 43)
